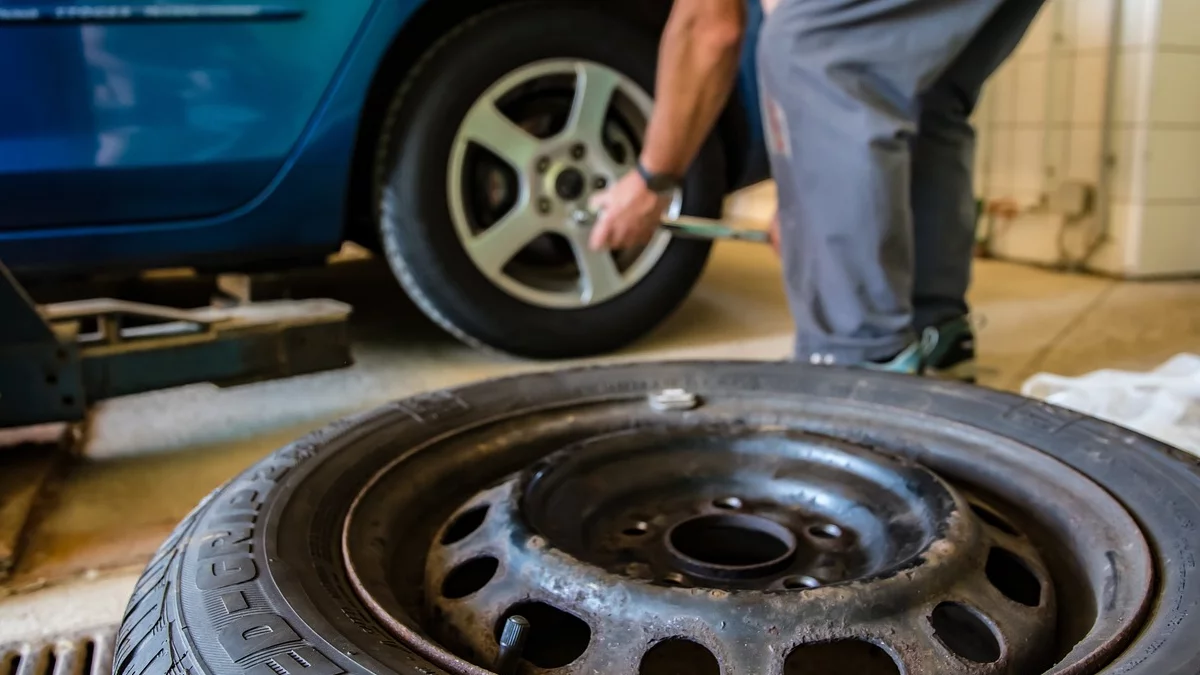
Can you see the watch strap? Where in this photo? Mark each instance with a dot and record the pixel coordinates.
(658, 182)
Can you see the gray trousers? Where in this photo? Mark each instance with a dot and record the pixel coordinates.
(866, 106)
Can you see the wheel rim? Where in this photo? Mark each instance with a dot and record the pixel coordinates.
(970, 584)
(532, 150)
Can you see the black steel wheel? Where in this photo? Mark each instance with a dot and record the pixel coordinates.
(734, 518)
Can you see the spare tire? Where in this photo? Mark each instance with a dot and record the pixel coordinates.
(480, 180)
(987, 533)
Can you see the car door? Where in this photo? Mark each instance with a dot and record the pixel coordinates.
(147, 111)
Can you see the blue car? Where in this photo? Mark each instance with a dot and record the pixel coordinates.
(453, 138)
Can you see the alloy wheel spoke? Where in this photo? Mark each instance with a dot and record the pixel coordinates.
(594, 87)
(487, 126)
(493, 248)
(598, 273)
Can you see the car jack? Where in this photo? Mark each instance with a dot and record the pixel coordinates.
(57, 359)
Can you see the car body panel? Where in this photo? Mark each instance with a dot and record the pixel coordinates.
(162, 119)
(150, 139)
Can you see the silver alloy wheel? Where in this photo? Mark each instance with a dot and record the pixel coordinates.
(554, 175)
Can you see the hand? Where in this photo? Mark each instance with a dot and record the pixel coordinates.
(630, 214)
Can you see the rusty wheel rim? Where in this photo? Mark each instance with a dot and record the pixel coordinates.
(888, 545)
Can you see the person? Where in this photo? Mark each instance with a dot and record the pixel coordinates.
(866, 109)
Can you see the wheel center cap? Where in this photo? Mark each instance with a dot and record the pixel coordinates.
(569, 184)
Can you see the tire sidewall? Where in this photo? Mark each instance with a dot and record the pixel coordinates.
(421, 242)
(292, 503)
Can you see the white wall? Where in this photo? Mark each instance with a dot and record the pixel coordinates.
(1041, 130)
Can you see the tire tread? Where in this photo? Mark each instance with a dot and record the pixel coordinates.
(155, 635)
(386, 197)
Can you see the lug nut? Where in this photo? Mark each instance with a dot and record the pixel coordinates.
(544, 205)
(577, 151)
(543, 165)
(599, 182)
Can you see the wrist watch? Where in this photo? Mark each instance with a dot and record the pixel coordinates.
(658, 182)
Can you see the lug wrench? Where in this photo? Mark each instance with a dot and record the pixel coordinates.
(691, 227)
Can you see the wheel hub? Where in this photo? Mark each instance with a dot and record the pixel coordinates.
(782, 538)
(552, 151)
(569, 184)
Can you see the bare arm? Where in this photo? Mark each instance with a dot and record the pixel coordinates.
(697, 65)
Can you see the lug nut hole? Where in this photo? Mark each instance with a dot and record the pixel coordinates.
(676, 580)
(825, 531)
(800, 581)
(637, 529)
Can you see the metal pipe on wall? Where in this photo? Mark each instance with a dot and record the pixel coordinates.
(1104, 185)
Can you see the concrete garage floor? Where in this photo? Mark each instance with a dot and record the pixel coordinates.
(150, 458)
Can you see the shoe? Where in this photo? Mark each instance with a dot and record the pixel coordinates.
(950, 350)
(910, 361)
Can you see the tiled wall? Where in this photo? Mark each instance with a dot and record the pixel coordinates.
(1041, 127)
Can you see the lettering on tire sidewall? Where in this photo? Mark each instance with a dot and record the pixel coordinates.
(224, 564)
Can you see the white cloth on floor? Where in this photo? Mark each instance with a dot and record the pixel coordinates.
(1163, 403)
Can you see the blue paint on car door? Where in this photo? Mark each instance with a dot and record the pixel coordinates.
(118, 113)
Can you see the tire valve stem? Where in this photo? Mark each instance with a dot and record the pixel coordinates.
(512, 644)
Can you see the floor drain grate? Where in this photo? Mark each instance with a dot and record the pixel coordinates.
(87, 653)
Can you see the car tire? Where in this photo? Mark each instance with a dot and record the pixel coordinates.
(419, 238)
(254, 580)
